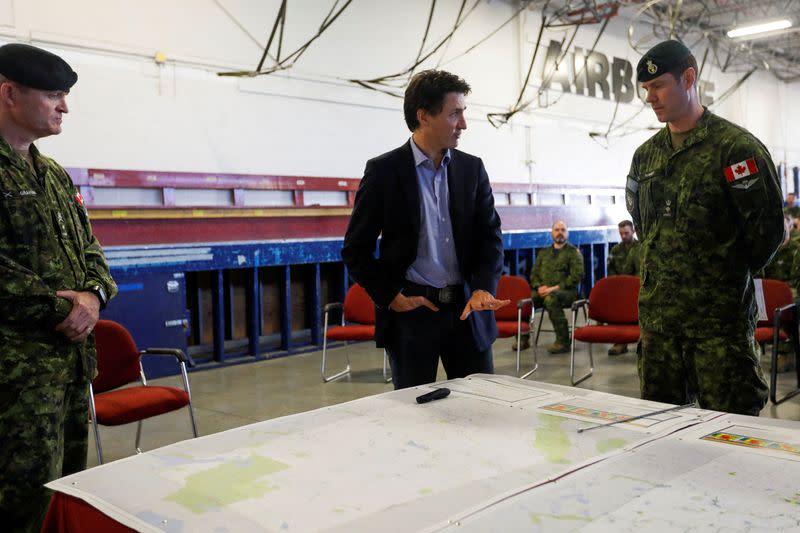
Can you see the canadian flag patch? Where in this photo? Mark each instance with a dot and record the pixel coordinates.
(79, 198)
(741, 170)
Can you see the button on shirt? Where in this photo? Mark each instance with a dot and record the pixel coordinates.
(436, 264)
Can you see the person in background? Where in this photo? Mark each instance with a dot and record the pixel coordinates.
(554, 281)
(784, 266)
(790, 206)
(623, 259)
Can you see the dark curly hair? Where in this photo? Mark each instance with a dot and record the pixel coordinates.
(427, 90)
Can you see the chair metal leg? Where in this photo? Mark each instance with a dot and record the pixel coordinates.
(93, 414)
(387, 377)
(339, 374)
(519, 341)
(185, 377)
(572, 356)
(138, 436)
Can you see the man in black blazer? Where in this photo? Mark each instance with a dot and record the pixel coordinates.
(440, 253)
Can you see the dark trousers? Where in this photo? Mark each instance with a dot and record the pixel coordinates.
(418, 338)
(555, 303)
(722, 372)
(44, 432)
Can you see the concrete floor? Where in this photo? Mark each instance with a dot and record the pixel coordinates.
(233, 396)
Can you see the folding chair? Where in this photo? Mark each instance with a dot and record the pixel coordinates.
(614, 305)
(119, 363)
(358, 324)
(781, 318)
(515, 319)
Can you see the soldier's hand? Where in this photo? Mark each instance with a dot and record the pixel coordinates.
(543, 290)
(482, 301)
(81, 320)
(403, 304)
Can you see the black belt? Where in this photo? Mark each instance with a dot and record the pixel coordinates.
(444, 295)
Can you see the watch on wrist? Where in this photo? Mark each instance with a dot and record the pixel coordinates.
(98, 291)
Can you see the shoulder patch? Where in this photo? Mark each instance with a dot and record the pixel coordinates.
(741, 170)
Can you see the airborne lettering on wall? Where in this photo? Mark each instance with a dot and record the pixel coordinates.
(589, 71)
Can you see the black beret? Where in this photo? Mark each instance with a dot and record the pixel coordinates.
(36, 68)
(660, 59)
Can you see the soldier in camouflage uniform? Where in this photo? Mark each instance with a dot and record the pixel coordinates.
(705, 199)
(623, 259)
(53, 282)
(791, 207)
(554, 281)
(784, 266)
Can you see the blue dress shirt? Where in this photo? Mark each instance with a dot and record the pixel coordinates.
(436, 264)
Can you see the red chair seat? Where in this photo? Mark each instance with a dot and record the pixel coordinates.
(764, 334)
(611, 334)
(123, 406)
(509, 329)
(351, 333)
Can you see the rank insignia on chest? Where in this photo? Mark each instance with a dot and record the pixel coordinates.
(667, 208)
(741, 170)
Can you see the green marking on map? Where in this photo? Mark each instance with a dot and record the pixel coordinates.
(227, 483)
(536, 518)
(425, 491)
(794, 500)
(551, 440)
(605, 446)
(301, 455)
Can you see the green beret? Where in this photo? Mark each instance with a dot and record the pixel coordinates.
(36, 68)
(660, 59)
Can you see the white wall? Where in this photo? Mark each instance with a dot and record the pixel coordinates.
(129, 112)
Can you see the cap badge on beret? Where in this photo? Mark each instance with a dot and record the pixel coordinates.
(652, 68)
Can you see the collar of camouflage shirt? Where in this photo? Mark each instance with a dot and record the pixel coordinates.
(15, 159)
(699, 133)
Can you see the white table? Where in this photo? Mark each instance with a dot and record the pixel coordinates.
(499, 454)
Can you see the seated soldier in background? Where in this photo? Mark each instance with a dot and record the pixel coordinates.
(623, 259)
(784, 266)
(795, 231)
(790, 205)
(554, 281)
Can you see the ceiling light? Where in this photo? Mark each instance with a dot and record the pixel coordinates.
(756, 29)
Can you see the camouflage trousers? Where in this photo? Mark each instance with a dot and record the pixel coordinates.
(554, 303)
(722, 373)
(43, 433)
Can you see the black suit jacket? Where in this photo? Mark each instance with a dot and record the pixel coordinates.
(388, 204)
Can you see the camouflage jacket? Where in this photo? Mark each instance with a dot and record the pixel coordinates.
(46, 245)
(794, 211)
(784, 265)
(563, 267)
(709, 215)
(624, 259)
